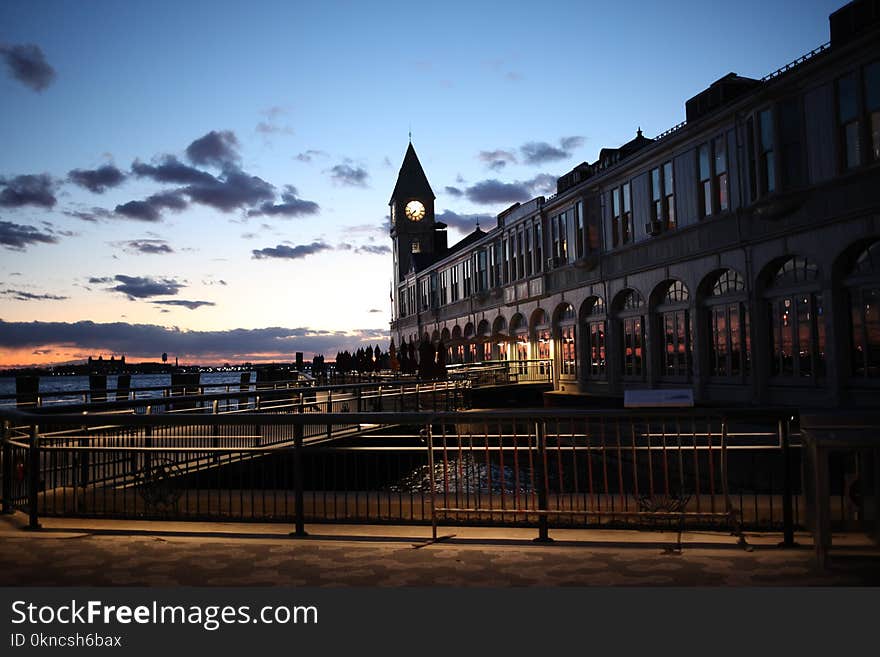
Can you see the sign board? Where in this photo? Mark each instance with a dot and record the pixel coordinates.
(681, 398)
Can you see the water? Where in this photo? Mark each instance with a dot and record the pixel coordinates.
(212, 381)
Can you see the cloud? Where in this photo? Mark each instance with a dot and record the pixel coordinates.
(271, 343)
(374, 310)
(218, 148)
(97, 180)
(150, 208)
(28, 65)
(569, 143)
(21, 295)
(192, 305)
(233, 190)
(539, 152)
(487, 192)
(366, 249)
(31, 189)
(92, 215)
(345, 174)
(497, 159)
(98, 280)
(309, 155)
(143, 287)
(464, 222)
(290, 206)
(171, 170)
(148, 246)
(454, 191)
(16, 237)
(543, 183)
(290, 252)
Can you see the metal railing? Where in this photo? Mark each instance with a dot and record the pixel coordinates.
(532, 468)
(501, 372)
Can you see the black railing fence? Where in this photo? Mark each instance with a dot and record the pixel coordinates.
(544, 468)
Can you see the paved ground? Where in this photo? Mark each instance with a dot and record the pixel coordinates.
(104, 553)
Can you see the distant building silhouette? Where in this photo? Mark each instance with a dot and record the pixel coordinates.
(737, 254)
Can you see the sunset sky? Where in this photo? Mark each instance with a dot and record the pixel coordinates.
(211, 179)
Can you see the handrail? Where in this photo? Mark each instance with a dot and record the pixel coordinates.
(407, 417)
(269, 392)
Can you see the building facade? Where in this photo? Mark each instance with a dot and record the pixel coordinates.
(737, 254)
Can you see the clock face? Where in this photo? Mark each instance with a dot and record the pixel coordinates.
(414, 211)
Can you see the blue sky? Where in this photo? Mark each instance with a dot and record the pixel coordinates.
(318, 96)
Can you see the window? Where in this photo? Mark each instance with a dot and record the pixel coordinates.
(621, 218)
(674, 324)
(453, 286)
(797, 321)
(662, 196)
(790, 127)
(872, 104)
(520, 254)
(729, 341)
(565, 335)
(528, 250)
(558, 236)
(435, 298)
(631, 322)
(444, 287)
(467, 277)
(766, 156)
(595, 335)
(541, 335)
(495, 257)
(481, 284)
(581, 243)
(510, 258)
(425, 292)
(848, 120)
(722, 191)
(714, 189)
(705, 179)
(539, 247)
(416, 246)
(520, 332)
(864, 291)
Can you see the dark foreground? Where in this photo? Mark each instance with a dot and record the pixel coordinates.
(81, 552)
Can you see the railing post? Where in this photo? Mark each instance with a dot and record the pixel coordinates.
(431, 476)
(298, 502)
(541, 483)
(418, 406)
(34, 478)
(7, 469)
(787, 492)
(329, 410)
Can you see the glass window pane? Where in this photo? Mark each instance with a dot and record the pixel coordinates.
(851, 138)
(765, 121)
(668, 181)
(720, 156)
(723, 202)
(847, 102)
(626, 198)
(704, 161)
(872, 86)
(655, 184)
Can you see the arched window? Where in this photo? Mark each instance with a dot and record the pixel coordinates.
(566, 319)
(499, 338)
(594, 323)
(728, 325)
(797, 321)
(541, 339)
(470, 354)
(631, 323)
(864, 291)
(484, 344)
(519, 333)
(674, 324)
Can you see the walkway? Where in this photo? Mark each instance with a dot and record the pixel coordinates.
(114, 553)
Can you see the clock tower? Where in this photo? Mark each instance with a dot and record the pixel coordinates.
(418, 238)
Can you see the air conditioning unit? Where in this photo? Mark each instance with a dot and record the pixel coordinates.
(654, 228)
